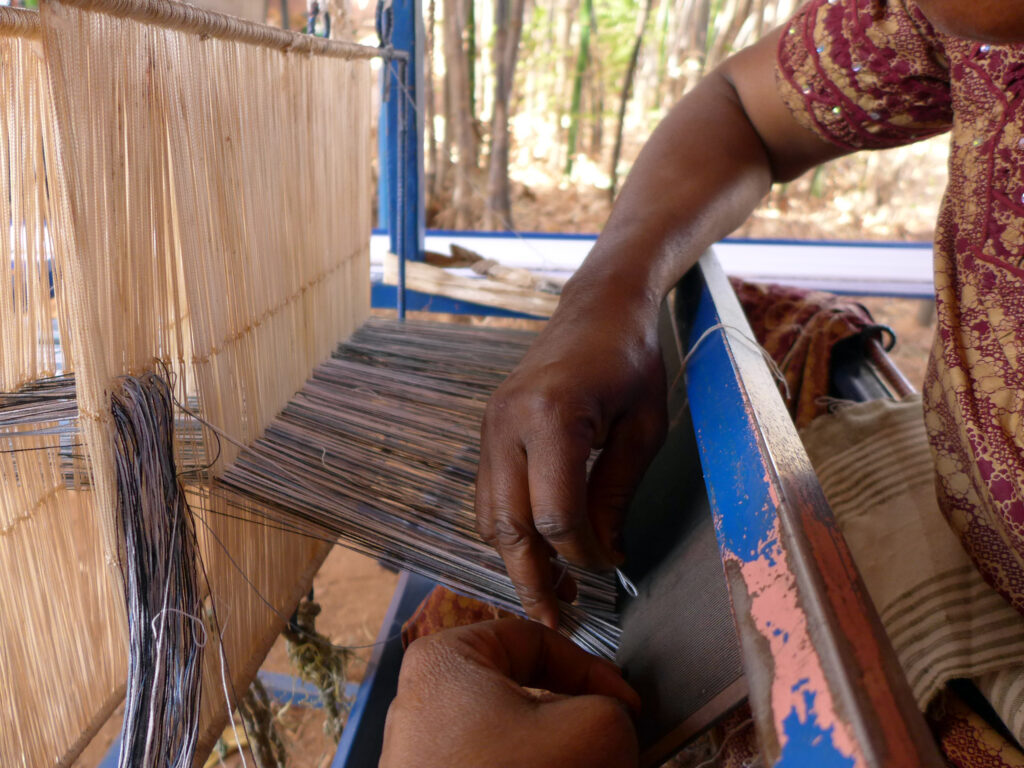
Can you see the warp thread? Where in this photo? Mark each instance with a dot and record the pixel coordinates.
(752, 343)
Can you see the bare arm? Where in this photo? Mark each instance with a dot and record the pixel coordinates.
(702, 172)
(594, 377)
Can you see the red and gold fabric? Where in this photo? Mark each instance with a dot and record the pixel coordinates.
(870, 74)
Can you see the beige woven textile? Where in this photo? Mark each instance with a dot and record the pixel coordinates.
(217, 219)
(62, 650)
(26, 314)
(945, 622)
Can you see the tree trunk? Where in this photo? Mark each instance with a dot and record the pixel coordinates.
(657, 72)
(627, 86)
(564, 13)
(459, 116)
(725, 40)
(596, 90)
(577, 84)
(508, 24)
(444, 153)
(691, 47)
(430, 157)
(470, 16)
(549, 100)
(759, 9)
(699, 34)
(681, 19)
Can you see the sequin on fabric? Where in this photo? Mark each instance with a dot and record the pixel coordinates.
(896, 80)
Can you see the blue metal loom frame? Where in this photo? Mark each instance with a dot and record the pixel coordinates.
(735, 471)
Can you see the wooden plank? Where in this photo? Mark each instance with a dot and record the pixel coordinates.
(479, 290)
(876, 269)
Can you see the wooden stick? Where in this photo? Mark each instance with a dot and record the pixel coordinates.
(481, 290)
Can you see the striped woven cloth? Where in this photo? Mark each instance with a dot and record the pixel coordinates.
(945, 622)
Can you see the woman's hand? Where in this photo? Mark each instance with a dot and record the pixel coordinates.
(594, 379)
(462, 702)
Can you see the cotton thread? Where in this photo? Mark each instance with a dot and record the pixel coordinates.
(627, 583)
(196, 622)
(740, 335)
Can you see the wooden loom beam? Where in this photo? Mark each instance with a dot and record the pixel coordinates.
(189, 18)
(19, 22)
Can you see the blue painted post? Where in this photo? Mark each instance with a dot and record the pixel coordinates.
(400, 191)
(363, 737)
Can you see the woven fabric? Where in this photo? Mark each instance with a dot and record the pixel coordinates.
(967, 740)
(62, 665)
(444, 609)
(945, 622)
(798, 328)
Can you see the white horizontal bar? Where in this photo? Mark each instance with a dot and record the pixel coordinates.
(888, 269)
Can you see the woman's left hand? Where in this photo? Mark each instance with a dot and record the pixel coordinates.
(464, 699)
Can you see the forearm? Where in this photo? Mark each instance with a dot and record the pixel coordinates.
(700, 175)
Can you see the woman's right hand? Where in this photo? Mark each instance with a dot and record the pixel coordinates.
(463, 700)
(594, 379)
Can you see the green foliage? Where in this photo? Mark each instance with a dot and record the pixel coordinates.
(536, 54)
(582, 61)
(818, 182)
(616, 29)
(616, 23)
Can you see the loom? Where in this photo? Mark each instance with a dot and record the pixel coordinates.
(190, 319)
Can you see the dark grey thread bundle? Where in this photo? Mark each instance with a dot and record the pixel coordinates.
(161, 585)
